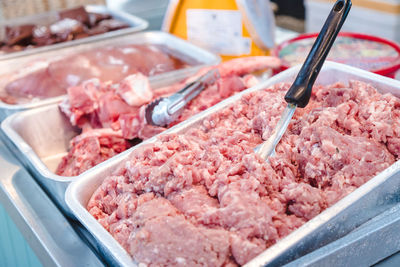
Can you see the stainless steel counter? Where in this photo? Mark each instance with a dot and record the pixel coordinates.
(55, 240)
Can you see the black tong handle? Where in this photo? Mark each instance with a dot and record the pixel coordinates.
(300, 91)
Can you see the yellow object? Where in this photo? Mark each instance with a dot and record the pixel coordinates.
(178, 22)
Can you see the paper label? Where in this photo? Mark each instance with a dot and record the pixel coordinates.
(219, 31)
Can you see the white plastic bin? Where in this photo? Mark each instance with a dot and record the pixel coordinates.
(373, 17)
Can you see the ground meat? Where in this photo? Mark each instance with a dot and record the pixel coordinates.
(204, 198)
(91, 148)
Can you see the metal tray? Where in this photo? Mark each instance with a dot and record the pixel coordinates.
(40, 139)
(136, 24)
(24, 65)
(375, 196)
(372, 242)
(39, 220)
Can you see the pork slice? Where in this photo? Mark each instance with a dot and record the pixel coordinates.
(152, 60)
(73, 70)
(36, 84)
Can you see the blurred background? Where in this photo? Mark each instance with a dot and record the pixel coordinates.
(376, 17)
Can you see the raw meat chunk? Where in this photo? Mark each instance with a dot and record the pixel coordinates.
(91, 148)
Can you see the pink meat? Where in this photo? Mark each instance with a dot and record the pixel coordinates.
(135, 90)
(73, 70)
(38, 84)
(112, 63)
(245, 65)
(89, 149)
(204, 197)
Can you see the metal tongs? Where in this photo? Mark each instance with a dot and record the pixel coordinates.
(300, 92)
(165, 110)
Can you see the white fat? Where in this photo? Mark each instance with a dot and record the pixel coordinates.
(135, 90)
(180, 260)
(153, 48)
(73, 79)
(64, 25)
(65, 107)
(115, 61)
(129, 50)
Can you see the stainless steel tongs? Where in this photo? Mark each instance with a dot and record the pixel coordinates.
(300, 92)
(164, 110)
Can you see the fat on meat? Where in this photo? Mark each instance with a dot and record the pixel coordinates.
(207, 188)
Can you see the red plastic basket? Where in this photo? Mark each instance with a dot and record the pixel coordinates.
(388, 71)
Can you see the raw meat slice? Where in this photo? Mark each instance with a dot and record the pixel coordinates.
(36, 84)
(106, 64)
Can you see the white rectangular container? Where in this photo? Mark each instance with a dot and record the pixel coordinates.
(378, 194)
(380, 18)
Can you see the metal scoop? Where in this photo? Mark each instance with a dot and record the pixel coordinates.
(300, 92)
(163, 111)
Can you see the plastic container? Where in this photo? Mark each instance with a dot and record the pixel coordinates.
(367, 52)
(378, 194)
(374, 17)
